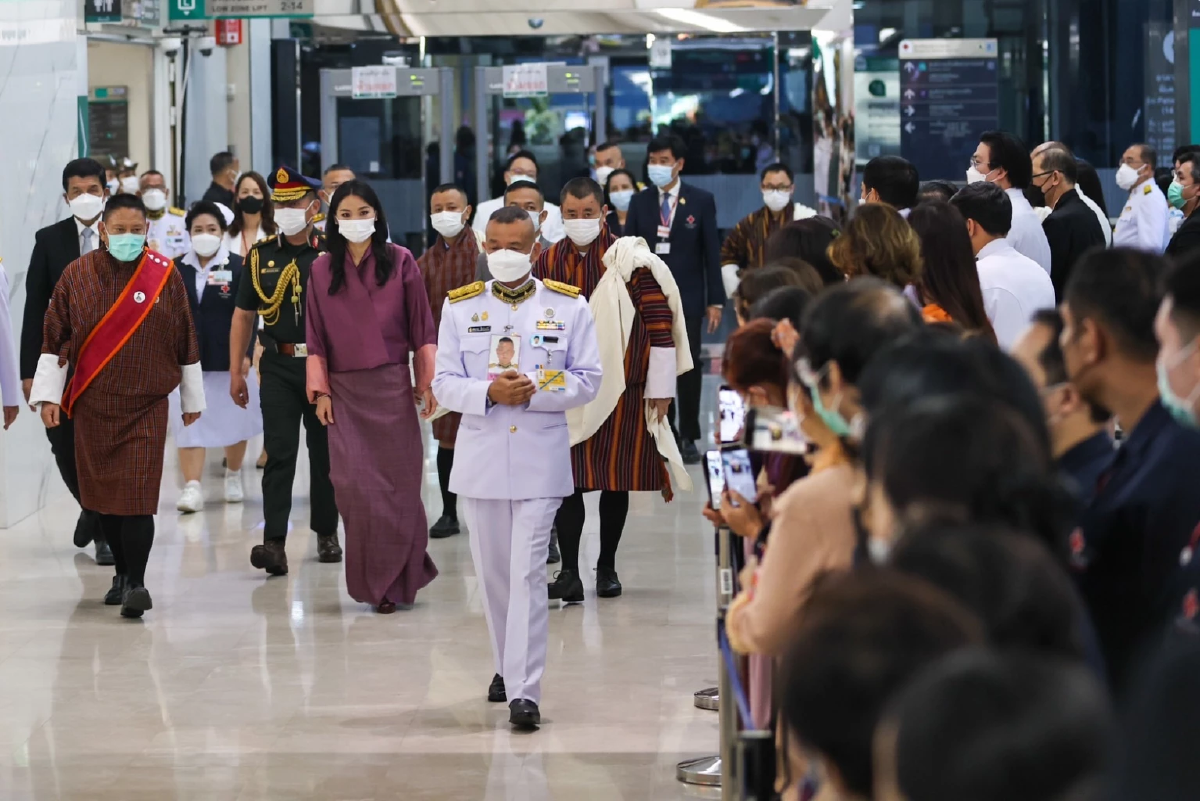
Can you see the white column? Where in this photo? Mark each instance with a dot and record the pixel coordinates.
(39, 100)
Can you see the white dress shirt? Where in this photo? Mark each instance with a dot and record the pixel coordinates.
(1099, 212)
(84, 247)
(233, 244)
(1143, 222)
(1026, 234)
(552, 230)
(1014, 287)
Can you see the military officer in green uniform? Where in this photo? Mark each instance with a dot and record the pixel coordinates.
(278, 269)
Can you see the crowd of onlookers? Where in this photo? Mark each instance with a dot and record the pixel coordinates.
(981, 582)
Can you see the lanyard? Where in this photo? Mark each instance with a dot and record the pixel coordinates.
(672, 202)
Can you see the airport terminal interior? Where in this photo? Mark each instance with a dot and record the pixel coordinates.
(239, 685)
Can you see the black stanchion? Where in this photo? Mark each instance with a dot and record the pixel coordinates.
(719, 769)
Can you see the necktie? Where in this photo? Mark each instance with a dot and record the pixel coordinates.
(87, 242)
(666, 209)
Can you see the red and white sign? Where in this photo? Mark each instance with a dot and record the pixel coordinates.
(229, 32)
(525, 80)
(367, 83)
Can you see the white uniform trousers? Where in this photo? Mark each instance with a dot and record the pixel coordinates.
(509, 542)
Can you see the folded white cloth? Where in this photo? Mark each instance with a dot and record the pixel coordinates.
(802, 212)
(613, 310)
(49, 381)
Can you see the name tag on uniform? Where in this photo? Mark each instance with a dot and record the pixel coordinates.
(551, 380)
(551, 325)
(479, 329)
(663, 248)
(301, 349)
(220, 277)
(664, 232)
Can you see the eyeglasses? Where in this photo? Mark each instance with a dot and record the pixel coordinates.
(978, 163)
(1041, 174)
(777, 187)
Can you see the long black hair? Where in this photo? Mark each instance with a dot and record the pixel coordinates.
(384, 266)
(950, 278)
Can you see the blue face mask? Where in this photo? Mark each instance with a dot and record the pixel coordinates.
(620, 199)
(832, 418)
(1182, 409)
(661, 175)
(126, 247)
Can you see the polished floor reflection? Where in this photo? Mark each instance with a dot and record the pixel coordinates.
(235, 687)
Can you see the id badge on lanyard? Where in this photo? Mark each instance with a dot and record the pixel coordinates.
(663, 246)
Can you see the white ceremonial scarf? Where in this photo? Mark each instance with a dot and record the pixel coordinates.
(802, 212)
(613, 311)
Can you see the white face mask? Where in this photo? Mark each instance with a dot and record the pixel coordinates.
(113, 186)
(602, 174)
(520, 176)
(776, 200)
(291, 221)
(536, 216)
(879, 550)
(620, 199)
(130, 184)
(507, 266)
(206, 245)
(1126, 177)
(87, 207)
(356, 231)
(155, 199)
(447, 223)
(582, 232)
(974, 176)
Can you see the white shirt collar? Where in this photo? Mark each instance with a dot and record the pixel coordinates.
(1017, 198)
(94, 227)
(992, 248)
(673, 192)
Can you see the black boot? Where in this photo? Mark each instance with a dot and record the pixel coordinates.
(496, 693)
(566, 587)
(135, 601)
(104, 554)
(607, 583)
(117, 592)
(85, 528)
(446, 526)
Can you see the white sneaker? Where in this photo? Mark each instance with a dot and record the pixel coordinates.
(192, 498)
(233, 487)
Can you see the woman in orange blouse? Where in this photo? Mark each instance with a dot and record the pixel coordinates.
(949, 284)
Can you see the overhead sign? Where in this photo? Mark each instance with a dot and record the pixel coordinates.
(525, 80)
(260, 8)
(186, 10)
(369, 83)
(102, 11)
(660, 54)
(949, 96)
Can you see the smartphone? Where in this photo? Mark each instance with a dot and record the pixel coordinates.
(772, 430)
(733, 416)
(715, 476)
(739, 474)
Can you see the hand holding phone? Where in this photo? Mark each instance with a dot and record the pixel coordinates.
(739, 474)
(732, 412)
(714, 475)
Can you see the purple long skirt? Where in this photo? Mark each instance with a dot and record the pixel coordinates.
(376, 464)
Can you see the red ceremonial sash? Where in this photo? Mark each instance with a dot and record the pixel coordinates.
(118, 324)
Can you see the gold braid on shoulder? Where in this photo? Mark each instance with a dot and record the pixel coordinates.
(270, 308)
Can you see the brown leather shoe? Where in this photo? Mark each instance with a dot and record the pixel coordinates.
(328, 549)
(271, 557)
(385, 607)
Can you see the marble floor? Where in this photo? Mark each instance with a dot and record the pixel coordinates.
(236, 687)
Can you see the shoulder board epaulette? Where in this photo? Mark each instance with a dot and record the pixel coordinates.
(261, 241)
(1147, 190)
(178, 212)
(560, 287)
(320, 217)
(464, 292)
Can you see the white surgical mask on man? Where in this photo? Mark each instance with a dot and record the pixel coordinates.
(520, 176)
(1127, 177)
(447, 223)
(582, 232)
(130, 184)
(776, 199)
(291, 221)
(602, 174)
(507, 266)
(155, 199)
(86, 207)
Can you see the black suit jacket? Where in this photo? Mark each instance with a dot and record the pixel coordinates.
(695, 245)
(212, 313)
(1186, 239)
(54, 247)
(218, 194)
(1071, 229)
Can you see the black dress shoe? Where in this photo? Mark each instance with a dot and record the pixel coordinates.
(607, 583)
(135, 601)
(689, 453)
(85, 528)
(271, 557)
(554, 556)
(329, 550)
(566, 587)
(446, 526)
(496, 693)
(524, 714)
(117, 592)
(104, 554)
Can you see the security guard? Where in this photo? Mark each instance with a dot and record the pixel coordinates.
(278, 269)
(1143, 223)
(512, 465)
(166, 230)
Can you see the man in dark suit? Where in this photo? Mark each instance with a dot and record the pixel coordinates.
(1072, 228)
(680, 223)
(54, 247)
(1187, 176)
(225, 171)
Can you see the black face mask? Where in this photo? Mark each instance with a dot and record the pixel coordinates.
(250, 204)
(1034, 196)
